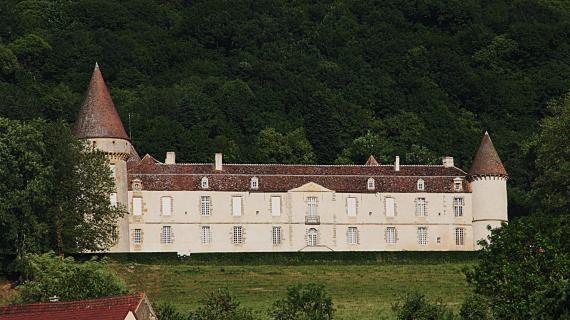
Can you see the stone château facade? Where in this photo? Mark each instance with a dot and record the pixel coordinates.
(220, 207)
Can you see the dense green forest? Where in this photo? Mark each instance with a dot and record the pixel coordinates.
(299, 81)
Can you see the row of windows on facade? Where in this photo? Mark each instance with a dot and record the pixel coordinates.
(370, 184)
(352, 236)
(421, 205)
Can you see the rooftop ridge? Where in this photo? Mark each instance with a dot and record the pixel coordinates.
(304, 165)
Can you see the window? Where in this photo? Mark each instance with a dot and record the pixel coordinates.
(312, 206)
(391, 235)
(236, 206)
(137, 206)
(275, 206)
(352, 235)
(422, 236)
(166, 236)
(206, 236)
(276, 236)
(421, 185)
(254, 183)
(113, 171)
(458, 207)
(459, 236)
(137, 237)
(421, 207)
(166, 206)
(312, 235)
(390, 207)
(113, 199)
(205, 205)
(237, 235)
(351, 206)
(371, 184)
(457, 184)
(114, 234)
(204, 183)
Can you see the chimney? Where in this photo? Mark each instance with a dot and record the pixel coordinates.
(218, 161)
(397, 164)
(170, 157)
(448, 162)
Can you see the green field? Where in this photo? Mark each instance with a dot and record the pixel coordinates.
(359, 291)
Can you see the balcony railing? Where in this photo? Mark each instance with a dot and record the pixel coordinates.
(312, 220)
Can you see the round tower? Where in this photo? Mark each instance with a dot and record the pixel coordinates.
(488, 179)
(99, 124)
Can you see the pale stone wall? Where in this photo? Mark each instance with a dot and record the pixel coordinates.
(489, 204)
(257, 221)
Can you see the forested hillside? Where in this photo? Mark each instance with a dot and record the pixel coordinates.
(298, 81)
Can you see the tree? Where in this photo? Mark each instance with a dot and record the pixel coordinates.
(523, 269)
(475, 307)
(49, 275)
(415, 306)
(220, 305)
(291, 148)
(168, 312)
(304, 302)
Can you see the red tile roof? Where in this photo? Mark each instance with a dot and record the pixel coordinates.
(487, 161)
(371, 161)
(281, 178)
(113, 308)
(98, 117)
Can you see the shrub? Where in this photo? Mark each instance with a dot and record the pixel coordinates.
(415, 306)
(475, 307)
(220, 305)
(309, 302)
(168, 312)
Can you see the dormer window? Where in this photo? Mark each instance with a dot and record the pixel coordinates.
(421, 185)
(457, 184)
(204, 184)
(254, 183)
(371, 184)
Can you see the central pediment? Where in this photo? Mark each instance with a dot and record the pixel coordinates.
(311, 187)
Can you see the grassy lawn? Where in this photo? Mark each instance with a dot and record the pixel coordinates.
(359, 291)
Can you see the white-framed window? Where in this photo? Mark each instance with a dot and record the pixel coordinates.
(275, 205)
(391, 235)
(458, 204)
(137, 206)
(166, 235)
(457, 184)
(390, 207)
(113, 199)
(137, 236)
(352, 235)
(276, 235)
(421, 207)
(312, 237)
(113, 171)
(206, 235)
(254, 183)
(422, 236)
(351, 206)
(205, 205)
(114, 234)
(237, 237)
(166, 206)
(421, 185)
(371, 184)
(236, 206)
(312, 206)
(459, 236)
(204, 184)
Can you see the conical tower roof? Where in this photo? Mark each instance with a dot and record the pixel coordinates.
(487, 161)
(98, 117)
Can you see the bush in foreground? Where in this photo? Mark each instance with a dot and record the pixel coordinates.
(416, 306)
(309, 302)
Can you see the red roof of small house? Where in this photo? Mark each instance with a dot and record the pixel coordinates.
(281, 178)
(98, 117)
(112, 308)
(487, 161)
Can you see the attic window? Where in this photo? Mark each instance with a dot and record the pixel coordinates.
(457, 184)
(254, 183)
(421, 185)
(204, 184)
(371, 184)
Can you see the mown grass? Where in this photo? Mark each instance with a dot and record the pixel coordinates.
(359, 291)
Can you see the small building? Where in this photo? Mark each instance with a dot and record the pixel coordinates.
(129, 307)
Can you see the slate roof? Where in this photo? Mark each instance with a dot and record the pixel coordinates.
(281, 178)
(113, 308)
(487, 161)
(98, 117)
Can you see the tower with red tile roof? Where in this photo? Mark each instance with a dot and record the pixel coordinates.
(489, 189)
(99, 124)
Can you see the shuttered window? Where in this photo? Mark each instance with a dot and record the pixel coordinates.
(236, 206)
(113, 199)
(137, 206)
(351, 206)
(275, 206)
(390, 207)
(166, 205)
